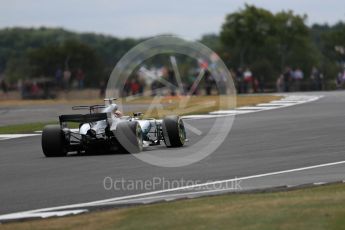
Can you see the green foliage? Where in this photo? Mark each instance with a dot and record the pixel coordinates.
(333, 41)
(268, 42)
(32, 53)
(329, 40)
(263, 69)
(245, 32)
(71, 54)
(212, 41)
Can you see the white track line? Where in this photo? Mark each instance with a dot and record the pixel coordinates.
(11, 136)
(277, 104)
(170, 196)
(249, 108)
(233, 112)
(55, 211)
(194, 117)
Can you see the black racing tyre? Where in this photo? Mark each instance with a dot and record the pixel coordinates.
(130, 137)
(173, 131)
(53, 141)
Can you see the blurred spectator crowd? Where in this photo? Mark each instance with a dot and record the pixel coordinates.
(290, 80)
(45, 87)
(164, 81)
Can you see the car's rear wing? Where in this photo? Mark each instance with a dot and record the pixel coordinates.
(83, 118)
(91, 108)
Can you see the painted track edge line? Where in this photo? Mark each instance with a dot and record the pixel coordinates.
(105, 201)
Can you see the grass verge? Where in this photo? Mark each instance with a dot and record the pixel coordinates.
(29, 127)
(184, 105)
(172, 105)
(310, 208)
(23, 128)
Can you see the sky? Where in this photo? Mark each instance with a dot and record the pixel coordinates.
(143, 18)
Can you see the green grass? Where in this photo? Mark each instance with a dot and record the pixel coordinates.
(23, 128)
(310, 208)
(28, 128)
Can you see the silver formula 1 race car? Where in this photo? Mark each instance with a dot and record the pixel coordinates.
(103, 130)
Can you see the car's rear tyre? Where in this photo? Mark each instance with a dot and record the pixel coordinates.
(53, 141)
(130, 137)
(173, 131)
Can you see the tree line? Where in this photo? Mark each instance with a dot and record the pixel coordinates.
(269, 42)
(251, 37)
(35, 53)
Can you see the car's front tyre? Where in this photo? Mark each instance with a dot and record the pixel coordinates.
(173, 131)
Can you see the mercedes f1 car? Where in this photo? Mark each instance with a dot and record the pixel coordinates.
(104, 130)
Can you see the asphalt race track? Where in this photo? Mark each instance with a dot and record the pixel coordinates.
(264, 142)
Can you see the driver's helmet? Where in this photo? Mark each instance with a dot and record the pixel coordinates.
(117, 113)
